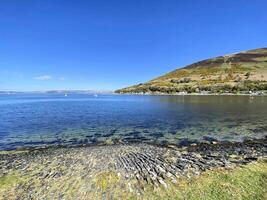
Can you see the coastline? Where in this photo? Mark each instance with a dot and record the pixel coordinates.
(193, 94)
(134, 166)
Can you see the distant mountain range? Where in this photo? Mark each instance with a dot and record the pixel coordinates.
(239, 72)
(60, 92)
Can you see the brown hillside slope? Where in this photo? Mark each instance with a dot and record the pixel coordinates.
(244, 71)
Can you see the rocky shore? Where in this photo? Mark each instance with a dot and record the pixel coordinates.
(93, 171)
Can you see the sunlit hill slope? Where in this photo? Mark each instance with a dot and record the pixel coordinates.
(240, 72)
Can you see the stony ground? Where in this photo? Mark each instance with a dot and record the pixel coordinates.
(103, 172)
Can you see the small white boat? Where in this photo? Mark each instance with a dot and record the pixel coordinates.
(95, 95)
(65, 95)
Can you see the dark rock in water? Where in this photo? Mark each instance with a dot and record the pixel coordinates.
(145, 131)
(134, 139)
(132, 134)
(73, 140)
(232, 125)
(85, 141)
(227, 138)
(112, 131)
(33, 143)
(164, 143)
(172, 132)
(209, 139)
(108, 135)
(93, 140)
(81, 141)
(247, 138)
(143, 126)
(156, 135)
(187, 142)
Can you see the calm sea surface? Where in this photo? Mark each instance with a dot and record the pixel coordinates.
(28, 120)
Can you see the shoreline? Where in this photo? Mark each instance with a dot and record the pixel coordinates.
(133, 142)
(130, 165)
(192, 94)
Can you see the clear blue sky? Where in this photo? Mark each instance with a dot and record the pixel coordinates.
(109, 44)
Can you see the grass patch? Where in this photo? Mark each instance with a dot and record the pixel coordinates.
(8, 185)
(106, 179)
(8, 180)
(248, 182)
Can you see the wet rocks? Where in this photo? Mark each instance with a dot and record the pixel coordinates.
(54, 171)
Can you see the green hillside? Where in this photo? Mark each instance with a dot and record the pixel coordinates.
(240, 72)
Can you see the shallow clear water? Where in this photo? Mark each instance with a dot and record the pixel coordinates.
(50, 119)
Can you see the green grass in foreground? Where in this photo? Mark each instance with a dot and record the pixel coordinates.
(246, 182)
(8, 184)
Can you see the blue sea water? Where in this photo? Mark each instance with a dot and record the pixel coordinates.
(30, 120)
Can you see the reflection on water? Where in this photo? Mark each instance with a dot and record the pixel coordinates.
(35, 120)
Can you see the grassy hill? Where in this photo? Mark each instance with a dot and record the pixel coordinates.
(239, 72)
